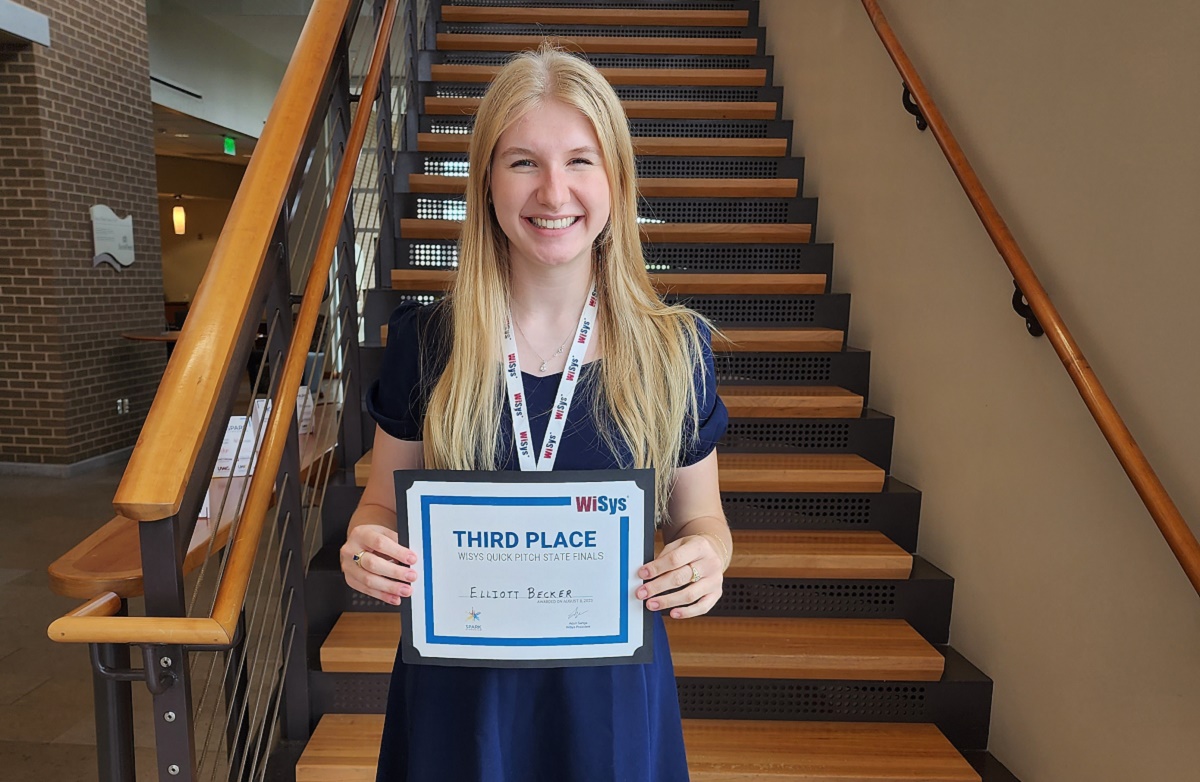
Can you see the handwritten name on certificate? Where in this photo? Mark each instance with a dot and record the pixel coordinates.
(526, 568)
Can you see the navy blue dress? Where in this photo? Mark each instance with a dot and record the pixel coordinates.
(617, 723)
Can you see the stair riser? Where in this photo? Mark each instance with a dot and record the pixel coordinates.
(648, 166)
(959, 708)
(828, 310)
(601, 31)
(848, 369)
(923, 600)
(642, 127)
(707, 94)
(750, 6)
(774, 211)
(427, 59)
(869, 437)
(895, 512)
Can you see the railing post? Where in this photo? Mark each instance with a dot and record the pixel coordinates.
(114, 713)
(385, 253)
(290, 518)
(162, 545)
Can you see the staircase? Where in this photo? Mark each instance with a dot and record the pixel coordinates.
(827, 658)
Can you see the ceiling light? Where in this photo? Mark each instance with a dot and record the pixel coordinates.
(179, 216)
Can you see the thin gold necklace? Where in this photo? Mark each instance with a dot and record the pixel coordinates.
(544, 361)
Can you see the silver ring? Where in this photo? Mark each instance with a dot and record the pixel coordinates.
(359, 557)
(695, 574)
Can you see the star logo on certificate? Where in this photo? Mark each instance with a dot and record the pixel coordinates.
(473, 615)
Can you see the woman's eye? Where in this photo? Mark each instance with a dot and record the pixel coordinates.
(521, 163)
(581, 161)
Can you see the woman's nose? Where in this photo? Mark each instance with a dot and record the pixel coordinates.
(553, 192)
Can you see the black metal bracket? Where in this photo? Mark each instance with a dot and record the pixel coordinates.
(912, 108)
(157, 676)
(1022, 308)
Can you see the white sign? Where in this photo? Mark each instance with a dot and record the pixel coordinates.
(238, 452)
(112, 238)
(520, 570)
(304, 412)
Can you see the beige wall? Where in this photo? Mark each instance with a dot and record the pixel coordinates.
(1082, 118)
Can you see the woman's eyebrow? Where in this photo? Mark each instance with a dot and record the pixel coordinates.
(522, 151)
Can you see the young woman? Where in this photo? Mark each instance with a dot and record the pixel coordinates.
(551, 215)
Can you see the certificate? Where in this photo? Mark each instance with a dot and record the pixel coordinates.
(526, 569)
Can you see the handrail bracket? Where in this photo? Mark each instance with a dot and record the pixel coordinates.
(912, 108)
(1022, 308)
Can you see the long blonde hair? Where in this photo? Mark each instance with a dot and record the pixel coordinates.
(646, 385)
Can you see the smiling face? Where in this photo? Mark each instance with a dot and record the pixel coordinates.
(549, 187)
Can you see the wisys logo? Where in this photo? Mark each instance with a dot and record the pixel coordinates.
(608, 505)
(584, 329)
(519, 405)
(572, 368)
(512, 365)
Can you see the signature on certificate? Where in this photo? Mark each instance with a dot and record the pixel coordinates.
(576, 614)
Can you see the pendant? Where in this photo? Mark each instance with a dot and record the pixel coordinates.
(542, 368)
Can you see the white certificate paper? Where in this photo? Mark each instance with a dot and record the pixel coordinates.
(526, 568)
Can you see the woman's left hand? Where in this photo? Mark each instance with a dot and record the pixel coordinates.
(691, 562)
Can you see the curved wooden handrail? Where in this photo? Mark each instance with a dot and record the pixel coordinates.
(219, 628)
(1162, 508)
(164, 458)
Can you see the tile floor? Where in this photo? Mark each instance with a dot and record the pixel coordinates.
(47, 730)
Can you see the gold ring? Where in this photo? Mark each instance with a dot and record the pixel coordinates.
(695, 574)
(359, 556)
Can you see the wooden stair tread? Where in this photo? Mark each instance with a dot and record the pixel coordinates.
(667, 77)
(482, 42)
(791, 340)
(625, 17)
(743, 647)
(640, 109)
(782, 472)
(708, 647)
(791, 402)
(778, 751)
(649, 187)
(798, 472)
(817, 554)
(439, 280)
(109, 560)
(720, 233)
(345, 748)
(649, 145)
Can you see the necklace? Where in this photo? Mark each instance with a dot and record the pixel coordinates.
(544, 361)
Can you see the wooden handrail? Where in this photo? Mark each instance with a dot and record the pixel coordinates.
(164, 458)
(219, 628)
(1162, 508)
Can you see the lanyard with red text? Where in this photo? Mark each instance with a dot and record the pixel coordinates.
(518, 404)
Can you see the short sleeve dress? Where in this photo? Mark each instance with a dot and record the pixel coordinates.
(617, 723)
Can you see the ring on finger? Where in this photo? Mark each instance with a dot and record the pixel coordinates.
(695, 574)
(358, 558)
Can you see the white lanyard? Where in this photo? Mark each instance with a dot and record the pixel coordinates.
(518, 404)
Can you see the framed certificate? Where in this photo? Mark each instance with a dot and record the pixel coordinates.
(526, 569)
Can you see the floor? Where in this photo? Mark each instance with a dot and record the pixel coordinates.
(46, 725)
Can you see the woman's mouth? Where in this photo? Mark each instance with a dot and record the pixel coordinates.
(561, 222)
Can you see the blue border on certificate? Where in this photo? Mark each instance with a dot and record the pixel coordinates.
(431, 635)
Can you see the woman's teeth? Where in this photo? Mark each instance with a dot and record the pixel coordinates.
(562, 222)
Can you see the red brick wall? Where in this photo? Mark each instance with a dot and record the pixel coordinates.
(76, 130)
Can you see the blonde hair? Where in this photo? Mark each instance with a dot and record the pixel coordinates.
(646, 385)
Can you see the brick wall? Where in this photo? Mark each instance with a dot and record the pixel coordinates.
(76, 130)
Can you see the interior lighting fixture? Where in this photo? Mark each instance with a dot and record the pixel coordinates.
(179, 216)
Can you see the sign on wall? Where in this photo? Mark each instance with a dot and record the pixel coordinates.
(112, 238)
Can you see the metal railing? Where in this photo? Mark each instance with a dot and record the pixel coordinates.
(262, 391)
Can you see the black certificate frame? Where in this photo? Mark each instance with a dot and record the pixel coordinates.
(643, 479)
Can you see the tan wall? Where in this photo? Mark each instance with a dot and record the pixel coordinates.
(1082, 118)
(208, 190)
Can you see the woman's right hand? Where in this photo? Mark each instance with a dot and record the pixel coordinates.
(383, 568)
